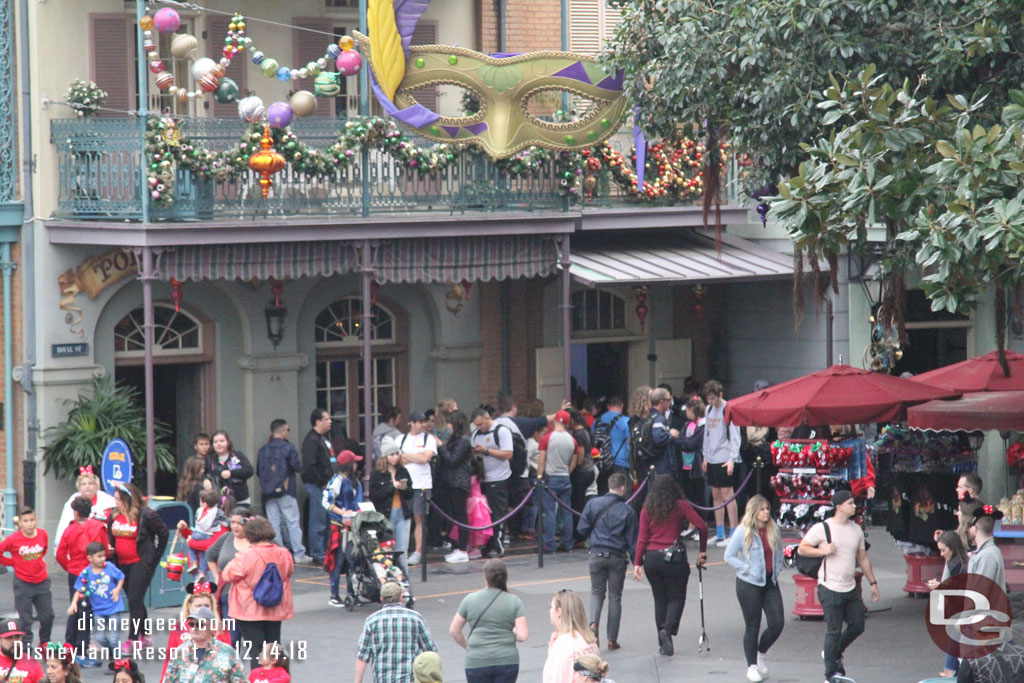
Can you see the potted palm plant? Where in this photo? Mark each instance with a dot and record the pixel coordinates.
(106, 411)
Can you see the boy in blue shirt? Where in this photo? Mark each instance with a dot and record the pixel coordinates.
(101, 583)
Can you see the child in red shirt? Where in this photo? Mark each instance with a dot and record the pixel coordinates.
(273, 666)
(27, 548)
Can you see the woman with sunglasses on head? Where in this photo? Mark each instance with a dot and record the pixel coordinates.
(137, 539)
(200, 594)
(222, 552)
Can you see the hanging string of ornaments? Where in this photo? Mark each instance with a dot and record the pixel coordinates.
(673, 169)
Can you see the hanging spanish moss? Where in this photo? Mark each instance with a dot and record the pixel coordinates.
(713, 181)
(1001, 327)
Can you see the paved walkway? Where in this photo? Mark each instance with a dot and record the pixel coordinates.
(895, 648)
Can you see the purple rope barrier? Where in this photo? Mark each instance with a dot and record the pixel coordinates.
(628, 501)
(731, 499)
(499, 522)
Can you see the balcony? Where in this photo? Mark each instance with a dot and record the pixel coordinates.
(100, 171)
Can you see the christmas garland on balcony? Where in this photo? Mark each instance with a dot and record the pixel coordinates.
(675, 170)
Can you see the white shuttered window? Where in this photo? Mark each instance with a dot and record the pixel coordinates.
(591, 24)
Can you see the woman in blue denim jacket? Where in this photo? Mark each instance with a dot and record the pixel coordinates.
(755, 550)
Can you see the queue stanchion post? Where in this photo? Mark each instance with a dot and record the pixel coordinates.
(426, 540)
(539, 495)
(759, 465)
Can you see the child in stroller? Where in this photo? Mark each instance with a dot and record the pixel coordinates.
(371, 560)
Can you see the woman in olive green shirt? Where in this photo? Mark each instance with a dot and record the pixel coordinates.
(497, 621)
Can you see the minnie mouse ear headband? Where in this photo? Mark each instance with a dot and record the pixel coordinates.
(123, 665)
(85, 469)
(988, 511)
(65, 652)
(965, 497)
(201, 588)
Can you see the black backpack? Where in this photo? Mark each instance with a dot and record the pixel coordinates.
(518, 463)
(809, 566)
(602, 441)
(273, 471)
(645, 450)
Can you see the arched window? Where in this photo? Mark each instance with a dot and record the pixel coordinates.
(174, 333)
(594, 310)
(341, 323)
(338, 334)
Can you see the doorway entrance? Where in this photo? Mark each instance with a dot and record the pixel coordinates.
(600, 369)
(182, 376)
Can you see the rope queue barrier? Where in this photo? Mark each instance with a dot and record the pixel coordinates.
(731, 498)
(628, 501)
(504, 519)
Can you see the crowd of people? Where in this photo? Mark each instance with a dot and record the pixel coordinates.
(645, 479)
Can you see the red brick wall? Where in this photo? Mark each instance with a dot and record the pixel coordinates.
(531, 25)
(526, 325)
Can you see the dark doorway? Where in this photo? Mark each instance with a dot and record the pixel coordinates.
(601, 369)
(934, 338)
(176, 403)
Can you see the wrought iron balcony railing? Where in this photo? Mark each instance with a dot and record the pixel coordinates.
(101, 170)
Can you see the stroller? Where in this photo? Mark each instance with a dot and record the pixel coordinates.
(371, 560)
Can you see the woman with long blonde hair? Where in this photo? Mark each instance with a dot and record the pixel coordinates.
(571, 638)
(445, 407)
(755, 550)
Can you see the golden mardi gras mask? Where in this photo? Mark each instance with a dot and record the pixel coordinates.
(505, 86)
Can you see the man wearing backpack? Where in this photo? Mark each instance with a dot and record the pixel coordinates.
(418, 448)
(519, 483)
(493, 442)
(276, 466)
(721, 455)
(611, 439)
(837, 585)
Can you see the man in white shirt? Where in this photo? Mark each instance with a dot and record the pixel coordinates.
(721, 453)
(837, 584)
(418, 447)
(493, 442)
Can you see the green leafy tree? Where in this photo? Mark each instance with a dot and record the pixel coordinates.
(106, 411)
(754, 70)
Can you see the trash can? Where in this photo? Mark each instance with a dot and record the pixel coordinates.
(164, 592)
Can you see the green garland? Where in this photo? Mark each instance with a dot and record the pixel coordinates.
(165, 149)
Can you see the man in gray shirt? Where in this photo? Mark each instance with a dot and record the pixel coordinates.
(721, 453)
(559, 455)
(987, 560)
(493, 442)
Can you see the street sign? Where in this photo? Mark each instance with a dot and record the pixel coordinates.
(117, 465)
(69, 350)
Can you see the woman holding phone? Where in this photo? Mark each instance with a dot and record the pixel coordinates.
(391, 494)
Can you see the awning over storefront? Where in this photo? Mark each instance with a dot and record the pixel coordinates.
(449, 259)
(684, 256)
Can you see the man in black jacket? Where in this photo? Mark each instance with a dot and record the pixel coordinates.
(316, 472)
(611, 525)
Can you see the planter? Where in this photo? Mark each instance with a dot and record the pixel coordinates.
(921, 569)
(807, 605)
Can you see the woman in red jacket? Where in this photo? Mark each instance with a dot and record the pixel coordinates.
(661, 552)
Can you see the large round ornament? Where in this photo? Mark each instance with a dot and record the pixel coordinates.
(166, 20)
(202, 66)
(184, 46)
(326, 84)
(227, 91)
(251, 109)
(349, 63)
(269, 68)
(303, 103)
(164, 80)
(279, 115)
(346, 42)
(208, 83)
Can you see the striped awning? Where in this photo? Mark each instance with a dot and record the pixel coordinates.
(407, 260)
(473, 259)
(261, 261)
(677, 257)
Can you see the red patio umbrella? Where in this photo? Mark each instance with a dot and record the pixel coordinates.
(990, 410)
(838, 395)
(978, 374)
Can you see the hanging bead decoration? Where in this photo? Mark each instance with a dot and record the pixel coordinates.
(207, 73)
(272, 68)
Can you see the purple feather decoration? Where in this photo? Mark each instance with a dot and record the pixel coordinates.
(640, 146)
(407, 15)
